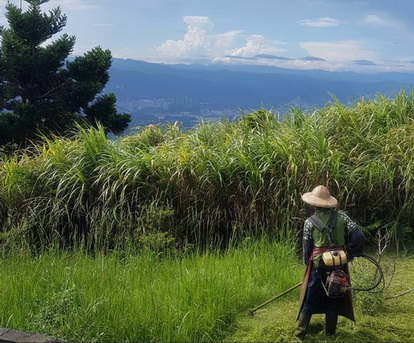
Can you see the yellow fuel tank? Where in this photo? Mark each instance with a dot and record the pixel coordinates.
(334, 258)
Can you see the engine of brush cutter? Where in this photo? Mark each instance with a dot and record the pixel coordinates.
(337, 283)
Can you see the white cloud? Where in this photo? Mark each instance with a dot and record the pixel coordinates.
(257, 44)
(385, 22)
(321, 22)
(228, 38)
(201, 40)
(287, 63)
(373, 19)
(199, 22)
(338, 51)
(303, 64)
(197, 40)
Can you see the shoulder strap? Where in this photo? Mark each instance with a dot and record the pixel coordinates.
(316, 222)
(330, 224)
(332, 221)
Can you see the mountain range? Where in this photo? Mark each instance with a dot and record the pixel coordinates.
(234, 87)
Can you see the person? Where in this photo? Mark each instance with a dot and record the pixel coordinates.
(334, 232)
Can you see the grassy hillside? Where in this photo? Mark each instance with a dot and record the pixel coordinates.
(202, 297)
(166, 187)
(141, 298)
(168, 194)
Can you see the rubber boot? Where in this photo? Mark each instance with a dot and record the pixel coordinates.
(331, 319)
(301, 326)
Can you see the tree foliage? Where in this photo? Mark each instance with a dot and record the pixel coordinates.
(40, 90)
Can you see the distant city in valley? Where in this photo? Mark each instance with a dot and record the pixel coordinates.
(159, 93)
(186, 111)
(182, 108)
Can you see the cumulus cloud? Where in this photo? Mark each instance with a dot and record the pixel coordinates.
(235, 47)
(257, 44)
(200, 39)
(227, 39)
(338, 51)
(320, 22)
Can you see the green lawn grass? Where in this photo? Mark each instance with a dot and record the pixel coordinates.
(113, 298)
(196, 298)
(377, 319)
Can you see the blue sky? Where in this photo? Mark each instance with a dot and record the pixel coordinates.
(336, 35)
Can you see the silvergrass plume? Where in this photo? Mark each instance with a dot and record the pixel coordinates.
(217, 182)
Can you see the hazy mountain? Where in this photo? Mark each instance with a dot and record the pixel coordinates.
(239, 86)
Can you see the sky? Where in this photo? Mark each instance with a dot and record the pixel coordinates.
(336, 35)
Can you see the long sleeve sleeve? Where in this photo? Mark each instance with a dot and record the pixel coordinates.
(354, 237)
(307, 241)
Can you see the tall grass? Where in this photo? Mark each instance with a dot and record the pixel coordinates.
(141, 298)
(216, 183)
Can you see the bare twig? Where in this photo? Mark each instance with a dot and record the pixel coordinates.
(382, 240)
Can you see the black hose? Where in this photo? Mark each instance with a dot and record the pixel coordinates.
(381, 275)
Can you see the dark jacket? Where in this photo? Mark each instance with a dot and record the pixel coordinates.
(346, 235)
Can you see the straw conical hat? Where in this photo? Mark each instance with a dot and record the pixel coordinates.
(320, 197)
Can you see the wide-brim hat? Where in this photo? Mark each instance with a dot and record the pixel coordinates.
(320, 197)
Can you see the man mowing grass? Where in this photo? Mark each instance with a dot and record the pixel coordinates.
(330, 239)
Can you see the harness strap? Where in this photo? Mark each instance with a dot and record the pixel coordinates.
(316, 222)
(330, 224)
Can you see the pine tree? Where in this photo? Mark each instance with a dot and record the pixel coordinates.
(40, 90)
